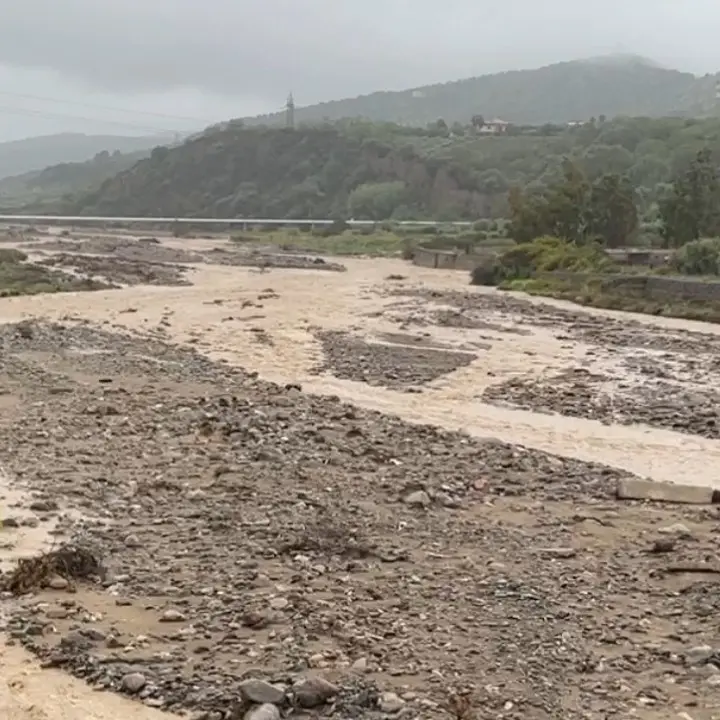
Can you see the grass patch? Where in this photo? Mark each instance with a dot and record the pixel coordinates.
(345, 243)
(19, 277)
(594, 293)
(369, 242)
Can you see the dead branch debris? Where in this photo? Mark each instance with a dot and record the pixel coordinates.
(71, 562)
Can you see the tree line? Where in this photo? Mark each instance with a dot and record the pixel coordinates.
(606, 210)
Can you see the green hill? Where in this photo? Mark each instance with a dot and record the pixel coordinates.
(559, 93)
(381, 170)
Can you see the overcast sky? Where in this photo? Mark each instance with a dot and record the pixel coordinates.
(209, 60)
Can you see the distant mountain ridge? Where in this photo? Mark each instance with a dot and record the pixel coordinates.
(18, 157)
(61, 182)
(613, 85)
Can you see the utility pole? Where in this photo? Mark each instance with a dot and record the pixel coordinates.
(290, 112)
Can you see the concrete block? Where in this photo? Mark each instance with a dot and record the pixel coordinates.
(636, 489)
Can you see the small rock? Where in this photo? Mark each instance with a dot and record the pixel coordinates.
(261, 692)
(34, 629)
(360, 665)
(279, 603)
(94, 634)
(113, 642)
(171, 616)
(419, 498)
(255, 620)
(317, 661)
(133, 682)
(698, 655)
(56, 582)
(665, 545)
(448, 501)
(389, 702)
(76, 641)
(561, 553)
(44, 506)
(263, 712)
(313, 691)
(678, 530)
(706, 670)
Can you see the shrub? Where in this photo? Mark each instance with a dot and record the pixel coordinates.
(487, 273)
(243, 238)
(699, 257)
(336, 227)
(408, 249)
(545, 254)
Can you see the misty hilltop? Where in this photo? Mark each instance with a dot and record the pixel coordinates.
(571, 91)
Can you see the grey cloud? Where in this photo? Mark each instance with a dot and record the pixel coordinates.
(324, 49)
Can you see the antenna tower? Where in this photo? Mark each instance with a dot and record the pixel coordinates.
(290, 112)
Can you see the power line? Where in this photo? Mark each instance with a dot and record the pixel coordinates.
(52, 115)
(105, 107)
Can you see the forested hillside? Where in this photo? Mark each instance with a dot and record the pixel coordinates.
(377, 171)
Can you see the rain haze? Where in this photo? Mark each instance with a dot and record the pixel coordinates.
(136, 67)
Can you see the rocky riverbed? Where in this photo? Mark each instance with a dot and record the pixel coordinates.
(119, 270)
(390, 363)
(276, 553)
(579, 393)
(122, 254)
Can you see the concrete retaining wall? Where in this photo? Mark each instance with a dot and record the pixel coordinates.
(448, 259)
(644, 258)
(654, 287)
(458, 260)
